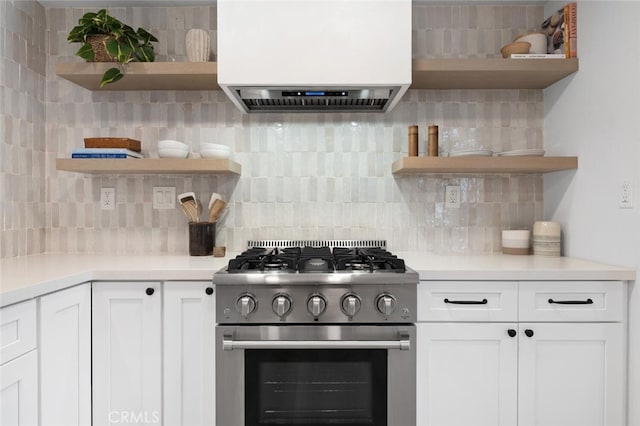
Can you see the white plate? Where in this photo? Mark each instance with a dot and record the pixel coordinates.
(522, 153)
(472, 153)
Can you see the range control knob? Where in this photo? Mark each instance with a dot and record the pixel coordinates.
(316, 304)
(281, 305)
(386, 304)
(350, 304)
(246, 304)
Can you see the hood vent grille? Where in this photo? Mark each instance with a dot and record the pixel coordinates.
(315, 100)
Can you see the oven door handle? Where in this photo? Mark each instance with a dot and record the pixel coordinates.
(403, 344)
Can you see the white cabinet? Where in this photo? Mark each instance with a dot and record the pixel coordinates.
(126, 328)
(467, 374)
(564, 366)
(189, 353)
(571, 374)
(19, 391)
(65, 357)
(18, 365)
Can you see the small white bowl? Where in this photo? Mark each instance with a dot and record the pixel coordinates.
(204, 146)
(171, 144)
(173, 153)
(214, 153)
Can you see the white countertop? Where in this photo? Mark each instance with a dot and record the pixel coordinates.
(26, 277)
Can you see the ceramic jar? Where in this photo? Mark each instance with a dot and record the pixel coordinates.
(198, 45)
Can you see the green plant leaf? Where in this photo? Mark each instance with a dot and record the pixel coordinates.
(145, 54)
(86, 52)
(146, 36)
(112, 47)
(124, 52)
(110, 76)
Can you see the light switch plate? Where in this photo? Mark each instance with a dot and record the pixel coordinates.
(164, 197)
(107, 198)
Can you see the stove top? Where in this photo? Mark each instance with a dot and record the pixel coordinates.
(320, 262)
(315, 259)
(316, 282)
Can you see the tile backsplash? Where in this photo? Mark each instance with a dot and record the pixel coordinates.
(303, 175)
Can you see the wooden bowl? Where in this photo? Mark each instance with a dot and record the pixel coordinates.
(515, 47)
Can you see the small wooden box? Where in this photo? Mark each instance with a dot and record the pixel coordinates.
(127, 143)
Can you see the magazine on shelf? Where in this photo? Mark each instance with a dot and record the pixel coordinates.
(104, 153)
(538, 56)
(561, 31)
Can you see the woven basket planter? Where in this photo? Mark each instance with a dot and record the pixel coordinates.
(97, 43)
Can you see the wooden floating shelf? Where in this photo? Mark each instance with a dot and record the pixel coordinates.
(144, 75)
(494, 73)
(148, 166)
(481, 165)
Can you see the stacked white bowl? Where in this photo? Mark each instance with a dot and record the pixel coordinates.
(172, 149)
(214, 150)
(546, 239)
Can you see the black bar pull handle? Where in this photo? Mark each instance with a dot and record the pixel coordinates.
(467, 302)
(572, 302)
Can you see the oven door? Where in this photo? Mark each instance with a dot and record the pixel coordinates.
(315, 375)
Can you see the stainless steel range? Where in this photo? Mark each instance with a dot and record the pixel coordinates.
(315, 333)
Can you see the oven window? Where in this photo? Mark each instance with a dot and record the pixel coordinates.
(316, 387)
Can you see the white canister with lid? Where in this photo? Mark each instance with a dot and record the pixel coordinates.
(537, 40)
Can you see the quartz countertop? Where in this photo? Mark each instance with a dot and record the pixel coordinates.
(27, 277)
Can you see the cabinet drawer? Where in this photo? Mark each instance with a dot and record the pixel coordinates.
(467, 301)
(17, 330)
(572, 301)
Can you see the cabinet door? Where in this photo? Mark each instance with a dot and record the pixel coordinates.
(467, 374)
(189, 353)
(126, 353)
(65, 357)
(571, 374)
(19, 391)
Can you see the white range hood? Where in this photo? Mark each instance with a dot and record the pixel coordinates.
(314, 55)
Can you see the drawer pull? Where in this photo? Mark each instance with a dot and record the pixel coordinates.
(511, 332)
(572, 302)
(467, 302)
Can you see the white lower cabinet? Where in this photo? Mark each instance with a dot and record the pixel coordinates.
(127, 353)
(571, 374)
(19, 365)
(65, 357)
(19, 391)
(189, 353)
(523, 373)
(467, 374)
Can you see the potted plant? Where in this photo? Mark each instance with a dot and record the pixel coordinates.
(106, 39)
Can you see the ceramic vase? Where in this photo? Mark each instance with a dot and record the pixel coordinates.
(198, 45)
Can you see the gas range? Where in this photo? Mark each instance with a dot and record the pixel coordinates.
(307, 282)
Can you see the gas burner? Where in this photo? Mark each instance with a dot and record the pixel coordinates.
(315, 260)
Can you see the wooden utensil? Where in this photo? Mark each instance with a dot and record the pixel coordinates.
(216, 209)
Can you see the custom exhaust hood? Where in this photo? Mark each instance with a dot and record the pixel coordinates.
(314, 55)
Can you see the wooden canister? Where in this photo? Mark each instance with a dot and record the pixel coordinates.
(432, 144)
(413, 141)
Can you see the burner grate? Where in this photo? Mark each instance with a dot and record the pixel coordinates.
(317, 243)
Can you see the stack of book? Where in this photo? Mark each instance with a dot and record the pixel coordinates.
(561, 29)
(108, 148)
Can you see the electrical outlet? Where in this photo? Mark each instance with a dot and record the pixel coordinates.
(164, 197)
(626, 195)
(108, 198)
(452, 196)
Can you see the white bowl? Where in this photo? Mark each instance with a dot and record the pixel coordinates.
(173, 153)
(208, 146)
(214, 153)
(537, 40)
(516, 238)
(171, 144)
